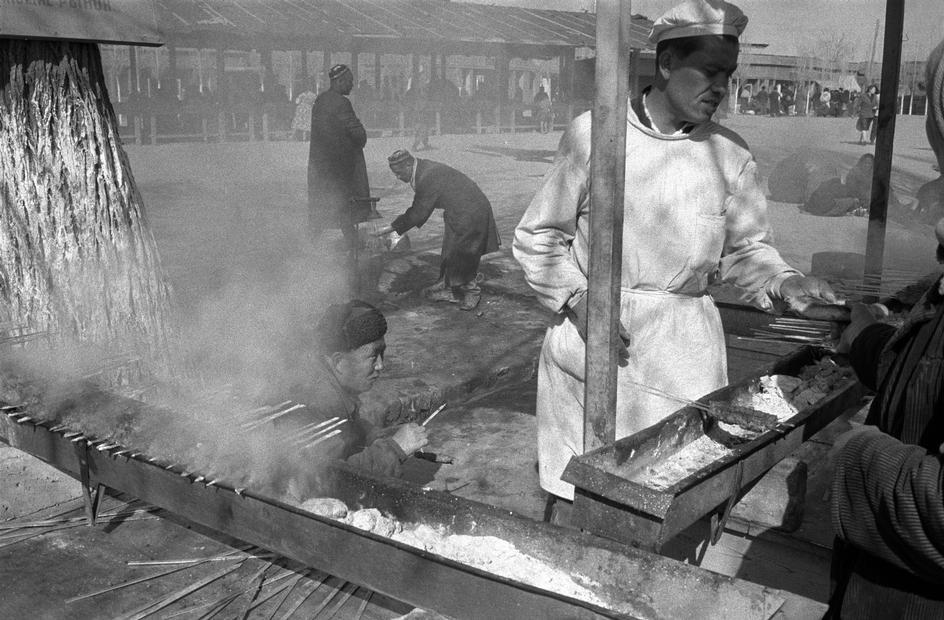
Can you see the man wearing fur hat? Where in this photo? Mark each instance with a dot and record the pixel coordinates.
(337, 171)
(346, 349)
(887, 500)
(693, 211)
(470, 230)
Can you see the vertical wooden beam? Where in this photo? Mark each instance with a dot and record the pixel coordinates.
(221, 76)
(306, 79)
(378, 74)
(355, 54)
(607, 168)
(134, 78)
(884, 143)
(326, 67)
(172, 66)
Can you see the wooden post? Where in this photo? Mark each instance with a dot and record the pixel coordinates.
(326, 67)
(502, 64)
(306, 79)
(377, 72)
(221, 77)
(607, 167)
(884, 145)
(265, 126)
(134, 77)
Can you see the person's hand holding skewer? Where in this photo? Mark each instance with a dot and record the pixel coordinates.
(411, 437)
(802, 291)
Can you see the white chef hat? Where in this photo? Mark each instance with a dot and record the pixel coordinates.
(694, 18)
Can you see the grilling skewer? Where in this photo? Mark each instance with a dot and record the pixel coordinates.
(323, 438)
(433, 414)
(315, 433)
(269, 418)
(744, 417)
(318, 426)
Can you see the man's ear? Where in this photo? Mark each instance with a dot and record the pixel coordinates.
(664, 64)
(334, 360)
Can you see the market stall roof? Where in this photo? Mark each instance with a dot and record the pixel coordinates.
(848, 82)
(379, 25)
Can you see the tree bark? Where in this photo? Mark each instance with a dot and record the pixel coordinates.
(77, 259)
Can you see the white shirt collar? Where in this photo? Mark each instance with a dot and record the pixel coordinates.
(684, 129)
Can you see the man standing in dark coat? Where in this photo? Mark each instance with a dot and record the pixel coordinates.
(337, 172)
(470, 229)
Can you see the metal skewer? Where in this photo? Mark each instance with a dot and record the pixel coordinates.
(324, 438)
(433, 414)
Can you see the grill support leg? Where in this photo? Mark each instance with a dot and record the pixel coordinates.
(91, 497)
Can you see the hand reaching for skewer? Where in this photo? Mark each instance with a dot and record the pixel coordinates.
(411, 437)
(802, 291)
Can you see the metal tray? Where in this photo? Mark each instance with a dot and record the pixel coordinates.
(609, 503)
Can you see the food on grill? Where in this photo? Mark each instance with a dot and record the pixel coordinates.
(373, 521)
(745, 417)
(325, 507)
(782, 396)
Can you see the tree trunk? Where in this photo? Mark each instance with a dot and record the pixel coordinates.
(77, 259)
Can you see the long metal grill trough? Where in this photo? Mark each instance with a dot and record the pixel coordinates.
(625, 582)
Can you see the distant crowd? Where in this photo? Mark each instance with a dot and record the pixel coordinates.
(781, 100)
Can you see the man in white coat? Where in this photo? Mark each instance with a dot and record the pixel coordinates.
(693, 211)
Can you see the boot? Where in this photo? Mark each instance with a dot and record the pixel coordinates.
(470, 295)
(440, 292)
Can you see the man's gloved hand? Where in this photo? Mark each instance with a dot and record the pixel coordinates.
(801, 291)
(578, 316)
(411, 437)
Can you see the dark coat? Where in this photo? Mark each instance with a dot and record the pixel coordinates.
(337, 171)
(470, 229)
(887, 496)
(360, 443)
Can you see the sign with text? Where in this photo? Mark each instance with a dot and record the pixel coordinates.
(130, 22)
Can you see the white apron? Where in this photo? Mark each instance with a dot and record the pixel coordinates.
(677, 346)
(692, 209)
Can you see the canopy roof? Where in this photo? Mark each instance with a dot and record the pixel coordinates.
(377, 25)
